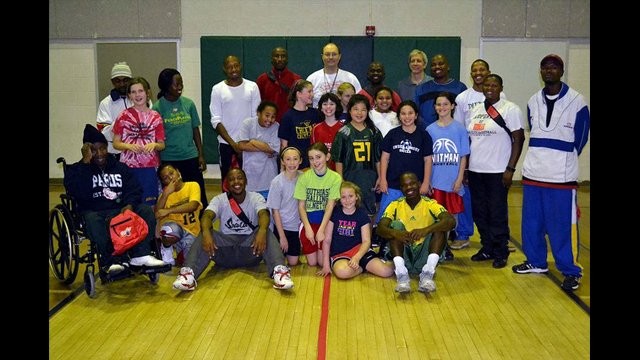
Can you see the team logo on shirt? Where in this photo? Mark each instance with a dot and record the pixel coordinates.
(445, 152)
(346, 227)
(442, 145)
(406, 147)
(236, 226)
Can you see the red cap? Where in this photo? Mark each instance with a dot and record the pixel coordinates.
(554, 59)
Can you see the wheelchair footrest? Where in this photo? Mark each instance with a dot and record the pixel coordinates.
(106, 277)
(150, 269)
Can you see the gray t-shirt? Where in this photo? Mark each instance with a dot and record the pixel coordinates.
(281, 198)
(259, 167)
(229, 222)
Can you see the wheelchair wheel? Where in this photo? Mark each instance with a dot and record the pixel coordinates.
(63, 245)
(90, 282)
(154, 278)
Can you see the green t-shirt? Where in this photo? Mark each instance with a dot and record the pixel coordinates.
(317, 190)
(179, 118)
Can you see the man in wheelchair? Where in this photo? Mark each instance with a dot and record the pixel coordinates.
(104, 187)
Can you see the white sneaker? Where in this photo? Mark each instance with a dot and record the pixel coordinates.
(426, 283)
(167, 255)
(185, 280)
(403, 284)
(115, 269)
(282, 278)
(146, 260)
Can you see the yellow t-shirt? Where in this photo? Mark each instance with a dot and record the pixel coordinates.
(424, 214)
(189, 221)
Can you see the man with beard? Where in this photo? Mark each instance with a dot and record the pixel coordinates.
(559, 120)
(114, 103)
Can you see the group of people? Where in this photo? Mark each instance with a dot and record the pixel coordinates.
(362, 163)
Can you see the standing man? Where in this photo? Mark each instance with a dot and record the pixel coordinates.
(275, 84)
(114, 103)
(426, 93)
(559, 120)
(376, 75)
(232, 100)
(329, 78)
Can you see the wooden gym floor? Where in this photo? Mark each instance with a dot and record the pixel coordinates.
(477, 312)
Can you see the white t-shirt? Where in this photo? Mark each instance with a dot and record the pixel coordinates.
(108, 112)
(384, 121)
(229, 222)
(230, 105)
(323, 83)
(467, 100)
(490, 143)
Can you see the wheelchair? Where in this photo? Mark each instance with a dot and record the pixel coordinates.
(66, 233)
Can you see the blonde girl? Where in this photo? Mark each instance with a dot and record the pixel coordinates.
(345, 92)
(347, 245)
(284, 212)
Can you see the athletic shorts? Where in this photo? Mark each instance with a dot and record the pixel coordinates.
(293, 238)
(307, 246)
(347, 255)
(415, 256)
(450, 200)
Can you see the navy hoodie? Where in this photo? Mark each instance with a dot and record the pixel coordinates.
(96, 190)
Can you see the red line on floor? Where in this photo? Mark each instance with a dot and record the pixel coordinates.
(324, 317)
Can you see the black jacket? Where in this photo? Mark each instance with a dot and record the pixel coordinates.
(95, 190)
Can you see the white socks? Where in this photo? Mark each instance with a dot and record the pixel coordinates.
(398, 261)
(432, 261)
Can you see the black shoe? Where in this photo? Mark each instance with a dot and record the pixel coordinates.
(481, 256)
(570, 283)
(526, 268)
(448, 255)
(499, 263)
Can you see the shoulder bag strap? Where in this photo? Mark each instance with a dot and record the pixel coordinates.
(495, 115)
(272, 77)
(235, 207)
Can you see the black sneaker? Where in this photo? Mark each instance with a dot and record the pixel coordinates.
(570, 283)
(481, 256)
(499, 263)
(526, 268)
(448, 255)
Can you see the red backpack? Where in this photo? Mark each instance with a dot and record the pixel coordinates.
(127, 230)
